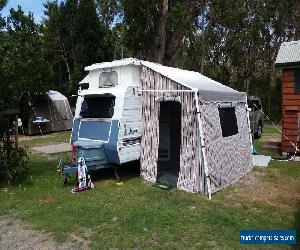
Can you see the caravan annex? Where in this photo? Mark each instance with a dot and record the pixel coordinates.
(187, 130)
(195, 131)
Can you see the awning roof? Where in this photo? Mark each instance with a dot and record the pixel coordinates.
(209, 90)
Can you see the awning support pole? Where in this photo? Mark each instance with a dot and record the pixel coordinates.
(249, 127)
(202, 145)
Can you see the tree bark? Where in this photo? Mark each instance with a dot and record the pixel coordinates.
(67, 65)
(174, 40)
(159, 43)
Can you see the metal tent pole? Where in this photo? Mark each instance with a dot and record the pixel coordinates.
(202, 145)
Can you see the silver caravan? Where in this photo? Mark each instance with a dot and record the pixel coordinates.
(107, 122)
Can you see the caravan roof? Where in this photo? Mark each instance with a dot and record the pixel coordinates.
(209, 90)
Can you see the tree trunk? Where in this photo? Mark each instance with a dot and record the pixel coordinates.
(174, 40)
(67, 66)
(159, 43)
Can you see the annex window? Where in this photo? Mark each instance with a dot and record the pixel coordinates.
(98, 107)
(228, 121)
(297, 80)
(108, 79)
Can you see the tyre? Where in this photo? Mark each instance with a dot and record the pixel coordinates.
(258, 132)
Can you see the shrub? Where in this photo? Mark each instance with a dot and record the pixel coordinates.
(13, 163)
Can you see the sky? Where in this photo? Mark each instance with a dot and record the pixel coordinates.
(34, 6)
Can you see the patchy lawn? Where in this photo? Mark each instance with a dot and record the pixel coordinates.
(139, 215)
(52, 138)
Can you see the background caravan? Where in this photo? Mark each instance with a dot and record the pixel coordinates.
(187, 130)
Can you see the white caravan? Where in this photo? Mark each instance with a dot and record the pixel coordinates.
(107, 123)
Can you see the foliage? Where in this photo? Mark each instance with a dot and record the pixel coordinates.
(24, 73)
(74, 37)
(24, 70)
(13, 163)
(234, 42)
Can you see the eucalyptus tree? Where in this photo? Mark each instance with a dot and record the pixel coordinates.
(75, 36)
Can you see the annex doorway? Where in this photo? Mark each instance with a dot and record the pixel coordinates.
(168, 165)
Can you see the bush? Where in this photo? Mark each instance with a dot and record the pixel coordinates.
(13, 163)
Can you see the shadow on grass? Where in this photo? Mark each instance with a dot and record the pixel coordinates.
(126, 172)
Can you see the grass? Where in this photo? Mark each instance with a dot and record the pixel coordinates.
(269, 131)
(139, 215)
(46, 139)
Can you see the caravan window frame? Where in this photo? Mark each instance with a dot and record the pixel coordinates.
(107, 77)
(108, 115)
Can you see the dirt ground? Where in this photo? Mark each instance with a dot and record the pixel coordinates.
(270, 189)
(15, 234)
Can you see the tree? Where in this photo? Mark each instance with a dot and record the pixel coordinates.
(155, 29)
(75, 37)
(25, 71)
(23, 74)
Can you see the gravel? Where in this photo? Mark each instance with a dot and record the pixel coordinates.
(14, 234)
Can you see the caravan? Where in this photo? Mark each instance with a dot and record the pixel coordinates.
(107, 122)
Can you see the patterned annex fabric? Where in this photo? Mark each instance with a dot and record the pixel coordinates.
(228, 158)
(191, 176)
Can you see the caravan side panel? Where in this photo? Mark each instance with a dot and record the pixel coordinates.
(130, 127)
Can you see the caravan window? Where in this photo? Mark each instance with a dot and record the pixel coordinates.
(108, 79)
(98, 107)
(228, 121)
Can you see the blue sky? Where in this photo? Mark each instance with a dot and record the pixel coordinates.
(35, 6)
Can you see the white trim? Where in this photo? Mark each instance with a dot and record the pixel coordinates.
(167, 90)
(201, 134)
(249, 127)
(78, 130)
(168, 98)
(227, 105)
